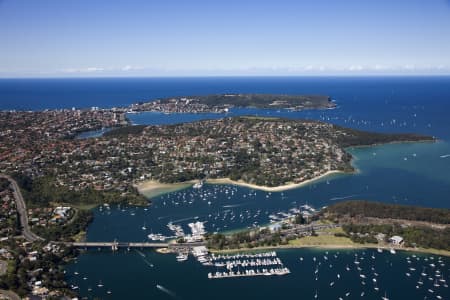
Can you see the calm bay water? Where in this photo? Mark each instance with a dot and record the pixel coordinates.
(415, 173)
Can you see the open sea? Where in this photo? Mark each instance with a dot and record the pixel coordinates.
(412, 173)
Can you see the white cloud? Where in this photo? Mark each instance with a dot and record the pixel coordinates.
(409, 67)
(355, 68)
(83, 70)
(130, 68)
(127, 68)
(270, 69)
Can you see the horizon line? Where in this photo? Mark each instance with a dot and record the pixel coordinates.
(228, 76)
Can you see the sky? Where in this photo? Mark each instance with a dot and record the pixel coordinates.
(84, 38)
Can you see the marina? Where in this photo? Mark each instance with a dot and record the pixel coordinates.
(241, 264)
(249, 272)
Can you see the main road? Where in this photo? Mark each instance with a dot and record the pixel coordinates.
(22, 211)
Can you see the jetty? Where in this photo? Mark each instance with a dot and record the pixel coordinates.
(250, 273)
(244, 265)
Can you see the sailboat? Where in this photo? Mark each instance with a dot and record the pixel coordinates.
(375, 287)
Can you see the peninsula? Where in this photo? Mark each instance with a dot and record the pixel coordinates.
(267, 153)
(222, 103)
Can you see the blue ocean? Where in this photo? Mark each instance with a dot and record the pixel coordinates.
(412, 173)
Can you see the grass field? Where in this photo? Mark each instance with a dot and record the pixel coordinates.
(322, 240)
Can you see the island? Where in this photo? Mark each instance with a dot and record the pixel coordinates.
(222, 103)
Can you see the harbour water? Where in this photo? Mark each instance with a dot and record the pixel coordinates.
(416, 173)
(129, 276)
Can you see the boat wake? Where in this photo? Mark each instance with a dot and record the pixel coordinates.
(148, 263)
(185, 219)
(234, 205)
(445, 156)
(344, 197)
(140, 253)
(165, 290)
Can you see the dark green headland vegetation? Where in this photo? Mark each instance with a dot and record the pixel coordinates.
(123, 131)
(266, 100)
(381, 210)
(355, 138)
(220, 103)
(363, 221)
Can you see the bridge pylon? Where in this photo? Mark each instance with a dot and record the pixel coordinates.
(115, 245)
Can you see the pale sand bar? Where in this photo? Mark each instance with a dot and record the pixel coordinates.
(275, 188)
(153, 188)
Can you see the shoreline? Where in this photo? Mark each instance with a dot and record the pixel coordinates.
(280, 188)
(336, 247)
(434, 140)
(154, 188)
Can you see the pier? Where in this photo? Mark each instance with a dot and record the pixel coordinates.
(250, 273)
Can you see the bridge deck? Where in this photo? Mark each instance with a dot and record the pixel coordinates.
(118, 244)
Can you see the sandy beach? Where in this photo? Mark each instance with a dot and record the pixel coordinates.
(153, 188)
(275, 188)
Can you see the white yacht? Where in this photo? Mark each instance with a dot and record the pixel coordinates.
(182, 257)
(198, 185)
